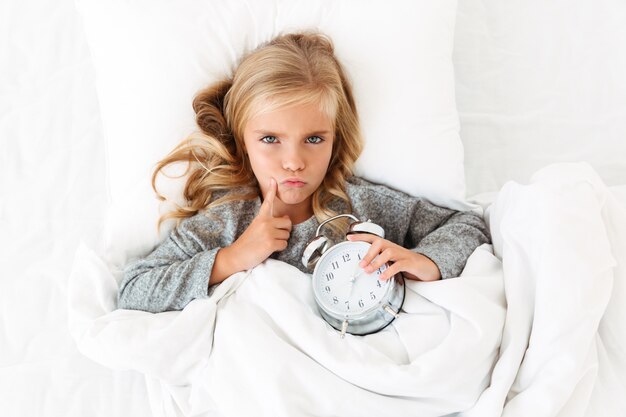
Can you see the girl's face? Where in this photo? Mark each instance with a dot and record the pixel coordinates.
(293, 145)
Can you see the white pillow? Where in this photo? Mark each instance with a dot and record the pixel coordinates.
(151, 57)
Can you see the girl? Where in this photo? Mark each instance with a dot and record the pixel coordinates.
(274, 158)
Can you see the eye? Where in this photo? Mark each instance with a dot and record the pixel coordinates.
(269, 139)
(314, 139)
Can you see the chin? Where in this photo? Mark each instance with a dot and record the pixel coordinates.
(293, 197)
(292, 200)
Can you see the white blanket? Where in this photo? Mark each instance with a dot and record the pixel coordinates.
(258, 345)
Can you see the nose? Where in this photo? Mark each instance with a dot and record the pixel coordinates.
(293, 160)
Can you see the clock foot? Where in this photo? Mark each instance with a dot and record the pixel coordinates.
(344, 327)
(390, 311)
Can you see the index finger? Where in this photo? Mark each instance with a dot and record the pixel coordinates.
(365, 237)
(374, 250)
(267, 208)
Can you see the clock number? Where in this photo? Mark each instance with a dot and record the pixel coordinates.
(335, 300)
(347, 305)
(378, 283)
(330, 276)
(327, 288)
(335, 265)
(378, 272)
(346, 258)
(359, 255)
(372, 295)
(361, 303)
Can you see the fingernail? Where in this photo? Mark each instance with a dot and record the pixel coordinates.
(271, 182)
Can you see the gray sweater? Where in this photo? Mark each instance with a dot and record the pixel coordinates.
(178, 270)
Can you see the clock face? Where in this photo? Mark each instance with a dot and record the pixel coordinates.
(337, 291)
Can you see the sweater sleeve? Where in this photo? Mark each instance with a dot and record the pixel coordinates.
(174, 274)
(446, 236)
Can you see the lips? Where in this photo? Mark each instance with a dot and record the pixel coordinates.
(294, 182)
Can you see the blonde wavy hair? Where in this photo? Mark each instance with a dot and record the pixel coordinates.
(291, 69)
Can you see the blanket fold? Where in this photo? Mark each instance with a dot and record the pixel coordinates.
(528, 328)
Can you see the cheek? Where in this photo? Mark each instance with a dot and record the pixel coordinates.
(259, 161)
(324, 157)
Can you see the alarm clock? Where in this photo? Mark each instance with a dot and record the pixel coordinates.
(348, 298)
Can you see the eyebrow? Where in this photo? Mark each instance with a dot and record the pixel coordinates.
(270, 133)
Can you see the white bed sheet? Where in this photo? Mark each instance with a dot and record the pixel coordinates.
(564, 331)
(539, 82)
(53, 193)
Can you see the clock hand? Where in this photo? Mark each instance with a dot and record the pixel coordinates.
(354, 277)
(351, 289)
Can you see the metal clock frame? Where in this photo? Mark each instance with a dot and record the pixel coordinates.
(376, 317)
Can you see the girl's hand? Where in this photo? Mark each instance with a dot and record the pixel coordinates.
(411, 264)
(265, 235)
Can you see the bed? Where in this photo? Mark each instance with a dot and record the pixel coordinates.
(536, 104)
